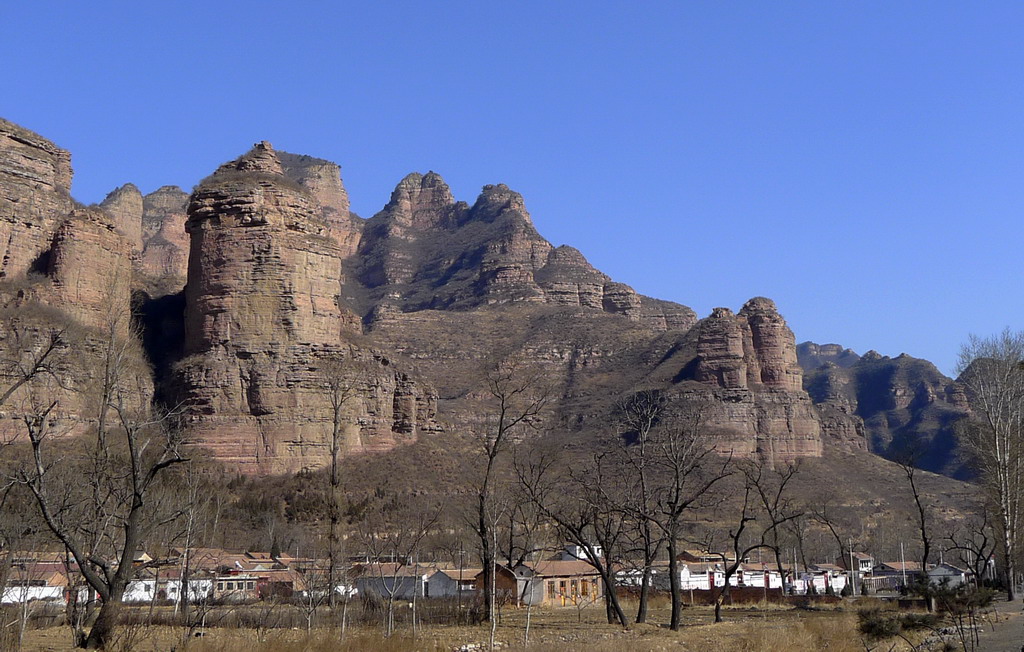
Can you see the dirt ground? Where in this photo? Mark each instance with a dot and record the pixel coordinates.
(1005, 632)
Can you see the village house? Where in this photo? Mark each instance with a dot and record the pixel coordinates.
(634, 575)
(35, 581)
(451, 582)
(551, 583)
(509, 585)
(948, 575)
(862, 562)
(389, 579)
(699, 575)
(759, 575)
(821, 578)
(562, 583)
(165, 585)
(242, 587)
(892, 575)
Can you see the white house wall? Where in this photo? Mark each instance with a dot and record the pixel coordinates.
(19, 594)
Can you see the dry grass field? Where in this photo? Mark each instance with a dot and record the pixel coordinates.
(569, 630)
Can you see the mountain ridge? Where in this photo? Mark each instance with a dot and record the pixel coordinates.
(262, 275)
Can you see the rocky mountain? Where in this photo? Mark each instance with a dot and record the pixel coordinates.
(258, 290)
(908, 407)
(65, 268)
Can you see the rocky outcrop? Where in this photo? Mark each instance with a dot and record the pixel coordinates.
(35, 186)
(78, 261)
(66, 273)
(425, 250)
(124, 205)
(164, 258)
(752, 349)
(810, 356)
(907, 407)
(323, 179)
(746, 363)
(283, 279)
(771, 352)
(90, 268)
(262, 317)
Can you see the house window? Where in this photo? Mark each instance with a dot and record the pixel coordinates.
(561, 587)
(231, 586)
(575, 587)
(551, 590)
(220, 586)
(250, 585)
(585, 588)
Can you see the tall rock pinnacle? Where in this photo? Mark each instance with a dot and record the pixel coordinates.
(263, 313)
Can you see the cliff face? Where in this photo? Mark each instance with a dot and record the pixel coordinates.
(747, 364)
(283, 280)
(90, 267)
(323, 179)
(79, 258)
(65, 271)
(262, 319)
(35, 186)
(906, 405)
(124, 205)
(426, 251)
(165, 244)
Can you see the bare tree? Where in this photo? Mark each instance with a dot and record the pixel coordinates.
(908, 464)
(974, 543)
(991, 374)
(121, 467)
(518, 395)
(687, 467)
(339, 378)
(639, 414)
(585, 504)
(765, 510)
(828, 514)
(392, 527)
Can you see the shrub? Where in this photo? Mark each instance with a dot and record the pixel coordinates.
(913, 622)
(876, 624)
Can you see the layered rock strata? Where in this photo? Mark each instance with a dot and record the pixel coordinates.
(66, 274)
(90, 267)
(262, 318)
(35, 187)
(323, 179)
(125, 208)
(283, 278)
(165, 244)
(745, 363)
(425, 250)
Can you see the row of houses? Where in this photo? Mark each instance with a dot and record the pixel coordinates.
(567, 579)
(209, 574)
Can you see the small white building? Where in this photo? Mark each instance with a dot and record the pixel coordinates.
(39, 581)
(20, 592)
(701, 576)
(757, 575)
(160, 588)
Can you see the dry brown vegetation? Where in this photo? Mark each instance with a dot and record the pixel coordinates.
(562, 630)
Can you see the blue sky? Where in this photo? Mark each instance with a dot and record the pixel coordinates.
(859, 162)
